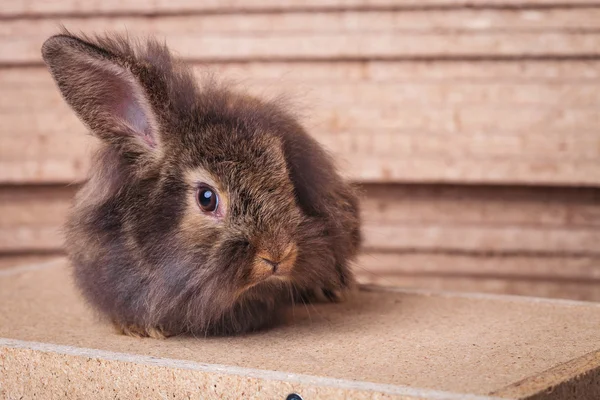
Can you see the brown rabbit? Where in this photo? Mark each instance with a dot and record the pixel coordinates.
(205, 212)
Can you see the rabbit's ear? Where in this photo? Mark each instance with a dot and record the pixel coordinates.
(104, 92)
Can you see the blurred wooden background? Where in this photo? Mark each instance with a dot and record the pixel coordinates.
(474, 126)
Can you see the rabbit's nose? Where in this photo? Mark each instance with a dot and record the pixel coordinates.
(273, 264)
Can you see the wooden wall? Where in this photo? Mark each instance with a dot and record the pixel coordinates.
(473, 126)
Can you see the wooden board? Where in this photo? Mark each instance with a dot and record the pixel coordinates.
(8, 262)
(336, 35)
(579, 290)
(433, 122)
(450, 346)
(45, 7)
(397, 218)
(32, 217)
(575, 269)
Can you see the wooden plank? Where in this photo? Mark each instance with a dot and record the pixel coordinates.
(466, 75)
(407, 218)
(43, 160)
(484, 170)
(471, 265)
(65, 158)
(517, 71)
(339, 35)
(363, 168)
(344, 46)
(36, 86)
(431, 127)
(558, 276)
(32, 217)
(10, 261)
(458, 346)
(509, 240)
(587, 291)
(421, 136)
(44, 7)
(413, 21)
(475, 238)
(481, 205)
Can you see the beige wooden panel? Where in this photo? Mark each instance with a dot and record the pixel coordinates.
(517, 71)
(339, 35)
(481, 206)
(518, 267)
(482, 170)
(10, 261)
(537, 221)
(578, 290)
(476, 238)
(384, 121)
(31, 218)
(36, 7)
(413, 21)
(308, 82)
(533, 275)
(52, 158)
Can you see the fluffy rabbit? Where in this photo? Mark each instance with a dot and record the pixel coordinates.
(205, 212)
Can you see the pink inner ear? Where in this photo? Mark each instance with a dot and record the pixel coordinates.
(105, 94)
(116, 92)
(132, 112)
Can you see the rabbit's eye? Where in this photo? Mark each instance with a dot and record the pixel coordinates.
(207, 198)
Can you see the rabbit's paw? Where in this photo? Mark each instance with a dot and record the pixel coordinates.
(141, 332)
(334, 295)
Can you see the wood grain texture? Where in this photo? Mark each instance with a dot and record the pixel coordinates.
(397, 218)
(13, 8)
(417, 92)
(32, 217)
(527, 241)
(336, 35)
(582, 290)
(524, 267)
(10, 261)
(413, 122)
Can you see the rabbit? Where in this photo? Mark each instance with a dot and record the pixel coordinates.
(206, 211)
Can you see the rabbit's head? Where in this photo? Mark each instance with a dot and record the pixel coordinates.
(201, 203)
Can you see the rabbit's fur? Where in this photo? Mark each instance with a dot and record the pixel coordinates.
(144, 253)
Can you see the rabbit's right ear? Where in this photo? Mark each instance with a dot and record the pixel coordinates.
(104, 91)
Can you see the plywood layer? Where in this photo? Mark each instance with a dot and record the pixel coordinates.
(397, 218)
(528, 122)
(568, 32)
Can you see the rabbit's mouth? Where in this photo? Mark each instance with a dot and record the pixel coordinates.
(257, 289)
(268, 270)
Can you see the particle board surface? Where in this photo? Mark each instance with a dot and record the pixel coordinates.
(465, 344)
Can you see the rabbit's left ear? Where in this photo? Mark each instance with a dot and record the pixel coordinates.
(104, 92)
